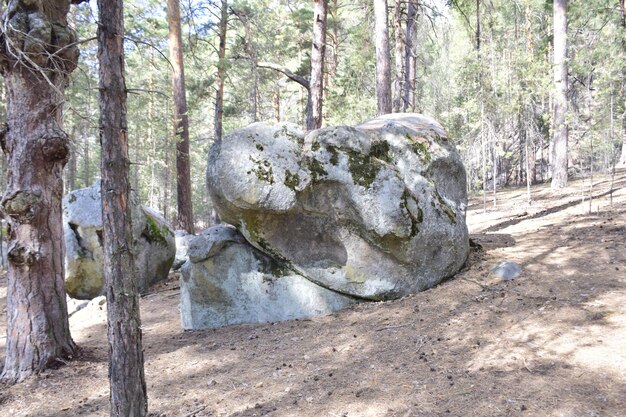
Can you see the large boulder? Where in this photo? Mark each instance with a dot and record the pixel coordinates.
(84, 260)
(228, 281)
(374, 211)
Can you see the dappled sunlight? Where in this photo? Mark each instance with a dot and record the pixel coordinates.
(548, 343)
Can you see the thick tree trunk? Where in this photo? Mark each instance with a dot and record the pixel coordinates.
(181, 119)
(37, 149)
(221, 73)
(408, 55)
(399, 56)
(559, 160)
(316, 83)
(126, 376)
(383, 60)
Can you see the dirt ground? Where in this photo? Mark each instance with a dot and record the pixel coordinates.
(550, 343)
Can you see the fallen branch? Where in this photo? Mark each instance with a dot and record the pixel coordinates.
(196, 411)
(420, 343)
(394, 327)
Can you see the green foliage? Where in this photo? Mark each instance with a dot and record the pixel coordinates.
(494, 102)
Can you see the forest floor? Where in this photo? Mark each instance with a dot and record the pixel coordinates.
(552, 342)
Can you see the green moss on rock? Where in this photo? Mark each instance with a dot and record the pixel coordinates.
(420, 148)
(283, 131)
(263, 169)
(362, 168)
(316, 168)
(155, 232)
(291, 180)
(382, 151)
(334, 154)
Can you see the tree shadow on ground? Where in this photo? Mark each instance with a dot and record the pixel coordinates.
(544, 344)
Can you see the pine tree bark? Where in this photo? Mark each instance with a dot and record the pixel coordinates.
(221, 73)
(181, 119)
(86, 159)
(316, 83)
(126, 375)
(399, 56)
(250, 50)
(559, 160)
(383, 59)
(622, 159)
(36, 72)
(408, 55)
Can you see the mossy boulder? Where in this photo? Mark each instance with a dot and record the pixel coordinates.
(375, 211)
(154, 244)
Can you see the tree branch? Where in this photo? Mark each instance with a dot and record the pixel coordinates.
(284, 70)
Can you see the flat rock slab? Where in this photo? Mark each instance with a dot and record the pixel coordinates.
(228, 281)
(375, 211)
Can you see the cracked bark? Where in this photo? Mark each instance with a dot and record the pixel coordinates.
(36, 71)
(126, 375)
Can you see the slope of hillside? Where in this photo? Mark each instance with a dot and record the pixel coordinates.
(548, 343)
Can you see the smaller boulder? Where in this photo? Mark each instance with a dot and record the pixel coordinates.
(154, 244)
(228, 281)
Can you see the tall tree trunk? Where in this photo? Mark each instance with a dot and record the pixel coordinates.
(181, 119)
(221, 73)
(334, 42)
(399, 56)
(413, 76)
(622, 159)
(86, 161)
(559, 161)
(277, 103)
(248, 46)
(478, 25)
(126, 376)
(71, 166)
(316, 83)
(383, 60)
(37, 149)
(151, 143)
(408, 54)
(166, 172)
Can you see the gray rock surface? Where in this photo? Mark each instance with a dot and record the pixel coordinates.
(82, 222)
(228, 281)
(182, 245)
(375, 211)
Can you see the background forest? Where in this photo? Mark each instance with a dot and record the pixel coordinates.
(483, 68)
